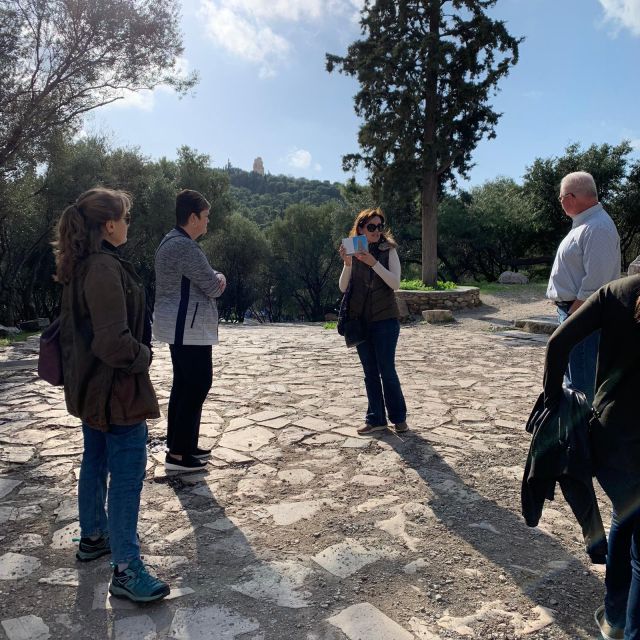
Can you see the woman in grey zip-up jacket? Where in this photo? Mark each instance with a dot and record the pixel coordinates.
(186, 317)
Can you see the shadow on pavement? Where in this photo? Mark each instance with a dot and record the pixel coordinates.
(459, 505)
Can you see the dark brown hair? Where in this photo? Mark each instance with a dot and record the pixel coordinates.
(363, 218)
(79, 230)
(188, 202)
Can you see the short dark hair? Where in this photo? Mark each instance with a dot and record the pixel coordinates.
(189, 201)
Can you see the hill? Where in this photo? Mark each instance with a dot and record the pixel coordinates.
(265, 197)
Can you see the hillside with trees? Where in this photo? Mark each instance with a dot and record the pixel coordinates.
(274, 236)
(263, 198)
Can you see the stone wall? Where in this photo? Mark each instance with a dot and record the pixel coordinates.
(415, 302)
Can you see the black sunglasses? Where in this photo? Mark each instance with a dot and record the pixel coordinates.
(127, 218)
(373, 227)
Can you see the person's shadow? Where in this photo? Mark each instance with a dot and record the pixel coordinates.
(224, 569)
(565, 586)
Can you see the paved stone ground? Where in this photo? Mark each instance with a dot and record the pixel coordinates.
(300, 529)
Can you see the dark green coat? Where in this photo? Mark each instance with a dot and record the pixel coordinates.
(616, 441)
(105, 364)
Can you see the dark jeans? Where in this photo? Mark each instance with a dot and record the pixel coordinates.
(192, 378)
(581, 372)
(622, 581)
(121, 454)
(377, 355)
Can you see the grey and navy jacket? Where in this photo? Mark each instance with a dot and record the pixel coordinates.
(185, 310)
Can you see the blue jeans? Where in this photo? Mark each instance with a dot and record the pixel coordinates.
(377, 355)
(120, 453)
(622, 581)
(581, 372)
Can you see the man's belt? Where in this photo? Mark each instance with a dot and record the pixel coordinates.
(563, 304)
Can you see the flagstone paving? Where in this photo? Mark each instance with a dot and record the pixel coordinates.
(300, 529)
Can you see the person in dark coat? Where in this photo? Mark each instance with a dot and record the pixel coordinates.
(105, 363)
(615, 310)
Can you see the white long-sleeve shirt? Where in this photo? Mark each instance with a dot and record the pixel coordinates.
(391, 276)
(587, 258)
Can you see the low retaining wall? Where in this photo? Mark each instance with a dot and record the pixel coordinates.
(415, 302)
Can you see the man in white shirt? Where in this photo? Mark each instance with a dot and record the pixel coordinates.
(587, 259)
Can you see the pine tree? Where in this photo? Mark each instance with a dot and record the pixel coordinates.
(426, 69)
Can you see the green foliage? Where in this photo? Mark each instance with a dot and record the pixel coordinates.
(418, 285)
(61, 60)
(608, 164)
(305, 258)
(240, 251)
(288, 268)
(426, 73)
(17, 337)
(625, 210)
(536, 289)
(263, 198)
(330, 325)
(486, 231)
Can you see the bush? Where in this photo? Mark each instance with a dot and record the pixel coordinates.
(418, 285)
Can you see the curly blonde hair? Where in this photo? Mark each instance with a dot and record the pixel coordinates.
(79, 230)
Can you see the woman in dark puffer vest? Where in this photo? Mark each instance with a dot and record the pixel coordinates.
(374, 276)
(105, 363)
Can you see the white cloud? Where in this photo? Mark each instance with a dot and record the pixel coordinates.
(252, 29)
(143, 100)
(299, 159)
(635, 144)
(243, 36)
(623, 14)
(291, 10)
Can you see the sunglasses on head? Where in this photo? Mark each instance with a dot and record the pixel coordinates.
(374, 227)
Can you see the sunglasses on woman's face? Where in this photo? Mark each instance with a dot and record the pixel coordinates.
(127, 218)
(374, 227)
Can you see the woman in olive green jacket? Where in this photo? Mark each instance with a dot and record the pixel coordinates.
(105, 364)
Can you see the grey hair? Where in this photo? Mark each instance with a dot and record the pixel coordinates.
(581, 183)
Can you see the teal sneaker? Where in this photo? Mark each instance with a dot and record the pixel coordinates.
(89, 549)
(137, 584)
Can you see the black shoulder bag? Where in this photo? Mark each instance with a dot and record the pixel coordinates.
(353, 330)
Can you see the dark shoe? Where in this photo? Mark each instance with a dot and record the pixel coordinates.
(369, 429)
(401, 427)
(607, 631)
(137, 584)
(89, 549)
(188, 463)
(202, 453)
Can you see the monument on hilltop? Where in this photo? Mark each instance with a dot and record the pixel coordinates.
(258, 166)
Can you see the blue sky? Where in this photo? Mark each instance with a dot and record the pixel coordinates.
(264, 91)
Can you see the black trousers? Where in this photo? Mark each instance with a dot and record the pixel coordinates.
(192, 378)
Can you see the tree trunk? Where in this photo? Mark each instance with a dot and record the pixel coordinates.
(429, 195)
(429, 207)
